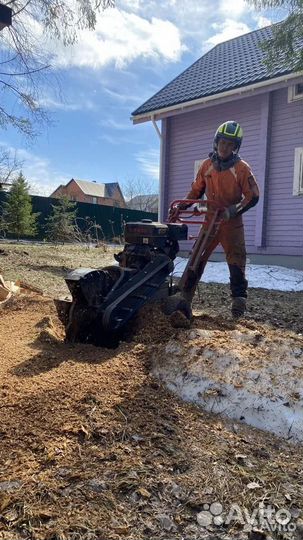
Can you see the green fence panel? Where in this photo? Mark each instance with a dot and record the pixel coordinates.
(111, 219)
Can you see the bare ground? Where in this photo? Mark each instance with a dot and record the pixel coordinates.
(93, 447)
(45, 265)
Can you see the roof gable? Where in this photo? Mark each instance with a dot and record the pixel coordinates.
(91, 188)
(110, 188)
(229, 65)
(98, 190)
(95, 189)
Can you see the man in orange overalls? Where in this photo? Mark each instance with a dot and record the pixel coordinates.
(225, 178)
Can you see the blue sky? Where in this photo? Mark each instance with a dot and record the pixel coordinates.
(135, 50)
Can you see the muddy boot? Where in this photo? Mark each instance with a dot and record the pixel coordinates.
(179, 320)
(238, 307)
(178, 310)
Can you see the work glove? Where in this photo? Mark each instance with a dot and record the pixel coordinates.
(230, 212)
(174, 212)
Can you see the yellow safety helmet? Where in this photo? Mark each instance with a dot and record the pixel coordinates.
(231, 131)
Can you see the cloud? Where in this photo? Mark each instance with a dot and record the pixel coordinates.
(113, 124)
(149, 162)
(115, 140)
(227, 30)
(147, 30)
(132, 97)
(120, 38)
(40, 175)
(189, 17)
(51, 103)
(133, 5)
(124, 98)
(262, 21)
(239, 7)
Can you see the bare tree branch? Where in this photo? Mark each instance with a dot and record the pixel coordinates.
(26, 61)
(141, 194)
(9, 166)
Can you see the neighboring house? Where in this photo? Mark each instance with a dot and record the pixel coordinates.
(5, 186)
(231, 82)
(146, 203)
(91, 192)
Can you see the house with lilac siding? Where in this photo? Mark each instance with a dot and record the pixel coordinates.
(232, 82)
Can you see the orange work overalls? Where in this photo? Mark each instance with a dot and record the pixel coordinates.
(234, 186)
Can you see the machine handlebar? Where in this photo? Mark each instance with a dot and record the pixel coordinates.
(184, 215)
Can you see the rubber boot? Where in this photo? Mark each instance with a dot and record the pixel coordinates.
(238, 307)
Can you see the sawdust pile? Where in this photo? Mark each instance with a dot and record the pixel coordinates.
(93, 447)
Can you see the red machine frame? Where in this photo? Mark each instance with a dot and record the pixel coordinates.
(202, 249)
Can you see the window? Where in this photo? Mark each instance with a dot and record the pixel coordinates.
(295, 92)
(94, 200)
(298, 172)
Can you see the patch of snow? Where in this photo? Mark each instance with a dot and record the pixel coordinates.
(260, 385)
(259, 276)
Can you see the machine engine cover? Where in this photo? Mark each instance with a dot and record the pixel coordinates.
(153, 233)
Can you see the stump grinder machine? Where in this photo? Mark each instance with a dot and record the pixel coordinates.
(106, 300)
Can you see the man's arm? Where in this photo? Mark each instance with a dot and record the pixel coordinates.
(197, 191)
(250, 190)
(198, 186)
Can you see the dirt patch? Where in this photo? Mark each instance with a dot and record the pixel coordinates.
(276, 309)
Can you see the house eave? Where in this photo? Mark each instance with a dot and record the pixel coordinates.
(185, 106)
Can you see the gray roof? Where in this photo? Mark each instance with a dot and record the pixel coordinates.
(110, 188)
(229, 65)
(97, 190)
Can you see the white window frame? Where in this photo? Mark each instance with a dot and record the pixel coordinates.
(293, 94)
(298, 172)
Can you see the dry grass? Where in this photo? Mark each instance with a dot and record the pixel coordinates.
(45, 265)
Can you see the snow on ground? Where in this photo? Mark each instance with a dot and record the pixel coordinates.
(251, 376)
(267, 277)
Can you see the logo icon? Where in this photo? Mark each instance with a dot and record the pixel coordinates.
(211, 515)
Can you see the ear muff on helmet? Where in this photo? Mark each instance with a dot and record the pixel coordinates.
(230, 131)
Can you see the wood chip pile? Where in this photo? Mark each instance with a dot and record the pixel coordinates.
(93, 447)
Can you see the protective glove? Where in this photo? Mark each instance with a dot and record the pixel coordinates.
(174, 212)
(184, 206)
(230, 212)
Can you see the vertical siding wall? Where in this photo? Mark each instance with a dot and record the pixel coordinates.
(284, 216)
(190, 138)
